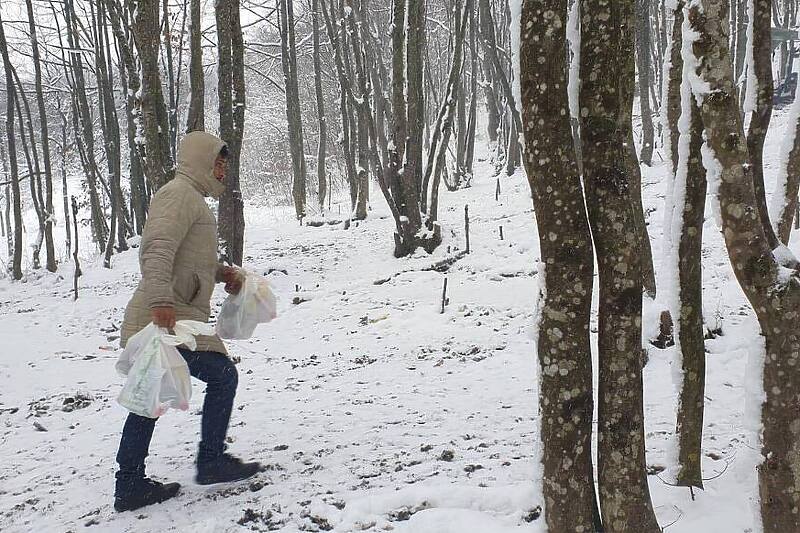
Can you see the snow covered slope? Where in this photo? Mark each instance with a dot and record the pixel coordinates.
(371, 408)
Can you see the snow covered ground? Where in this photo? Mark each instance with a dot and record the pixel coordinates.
(371, 409)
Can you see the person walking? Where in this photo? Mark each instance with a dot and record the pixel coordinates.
(179, 267)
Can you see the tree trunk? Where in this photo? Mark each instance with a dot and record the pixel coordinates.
(761, 115)
(643, 64)
(741, 48)
(363, 116)
(172, 115)
(690, 177)
(45, 140)
(687, 206)
(129, 77)
(565, 363)
(785, 201)
(293, 113)
(196, 119)
(31, 152)
(606, 94)
(231, 91)
(84, 128)
(472, 120)
(774, 296)
(490, 49)
(415, 92)
(156, 154)
(16, 266)
(322, 184)
(64, 187)
(336, 36)
(441, 135)
(111, 134)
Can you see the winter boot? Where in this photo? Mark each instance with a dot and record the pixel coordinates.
(223, 469)
(138, 492)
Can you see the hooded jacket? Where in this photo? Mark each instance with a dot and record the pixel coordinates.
(178, 253)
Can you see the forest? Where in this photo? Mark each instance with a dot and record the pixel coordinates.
(583, 208)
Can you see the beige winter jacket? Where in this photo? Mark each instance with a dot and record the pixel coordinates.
(178, 254)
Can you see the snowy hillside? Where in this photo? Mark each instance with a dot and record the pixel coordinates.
(372, 410)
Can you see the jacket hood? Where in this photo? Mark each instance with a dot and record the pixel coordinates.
(196, 156)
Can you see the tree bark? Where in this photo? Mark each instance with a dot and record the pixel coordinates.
(690, 324)
(688, 177)
(774, 296)
(196, 118)
(31, 152)
(643, 63)
(64, 187)
(131, 84)
(565, 364)
(322, 184)
(293, 113)
(490, 49)
(172, 112)
(415, 92)
(45, 140)
(785, 201)
(231, 91)
(85, 127)
(156, 153)
(606, 94)
(761, 115)
(16, 265)
(362, 118)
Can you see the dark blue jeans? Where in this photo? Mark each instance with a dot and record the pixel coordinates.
(221, 378)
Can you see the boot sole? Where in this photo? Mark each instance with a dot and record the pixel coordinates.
(121, 506)
(206, 481)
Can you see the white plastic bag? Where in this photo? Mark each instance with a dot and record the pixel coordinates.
(241, 313)
(158, 376)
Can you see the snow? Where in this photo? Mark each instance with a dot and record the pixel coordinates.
(779, 199)
(574, 40)
(352, 397)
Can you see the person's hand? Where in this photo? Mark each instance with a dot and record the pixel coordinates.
(233, 279)
(163, 317)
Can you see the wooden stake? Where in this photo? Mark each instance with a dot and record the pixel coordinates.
(444, 295)
(75, 253)
(501, 233)
(466, 224)
(497, 191)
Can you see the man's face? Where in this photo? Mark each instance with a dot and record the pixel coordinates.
(220, 167)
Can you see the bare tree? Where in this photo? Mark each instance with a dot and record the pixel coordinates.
(565, 366)
(196, 118)
(322, 185)
(643, 64)
(131, 83)
(12, 155)
(771, 284)
(606, 96)
(30, 149)
(231, 89)
(761, 115)
(289, 62)
(156, 152)
(45, 140)
(84, 125)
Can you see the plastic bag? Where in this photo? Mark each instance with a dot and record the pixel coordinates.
(241, 313)
(158, 376)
